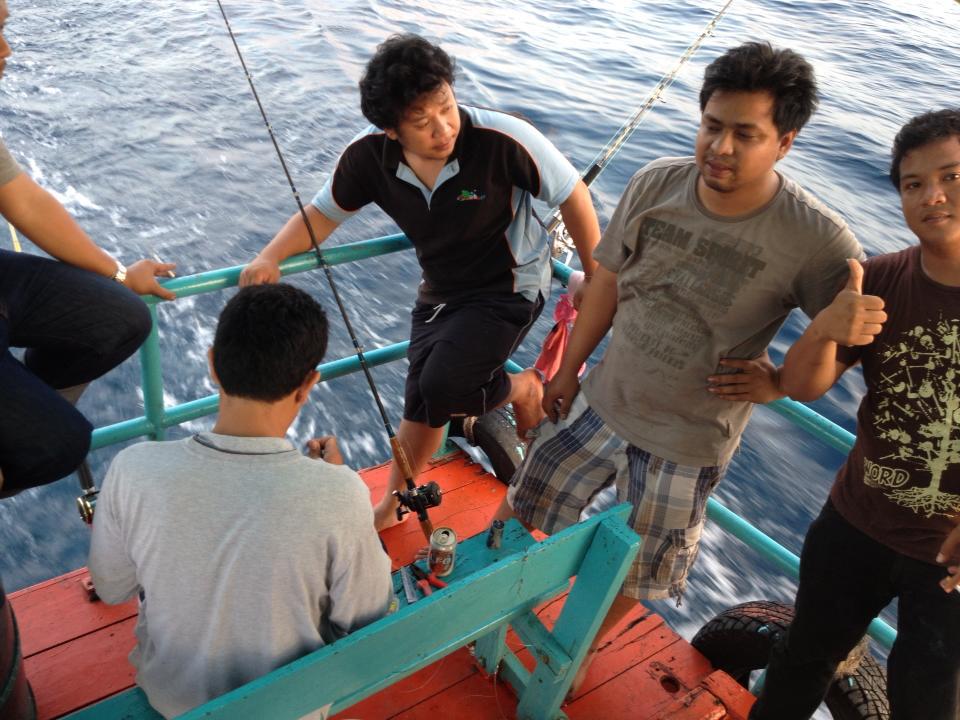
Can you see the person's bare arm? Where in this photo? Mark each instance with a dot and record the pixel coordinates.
(293, 238)
(39, 216)
(593, 321)
(580, 219)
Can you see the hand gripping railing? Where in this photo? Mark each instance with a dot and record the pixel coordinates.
(157, 417)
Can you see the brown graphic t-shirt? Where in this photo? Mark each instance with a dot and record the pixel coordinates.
(901, 483)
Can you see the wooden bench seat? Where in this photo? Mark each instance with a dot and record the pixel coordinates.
(489, 590)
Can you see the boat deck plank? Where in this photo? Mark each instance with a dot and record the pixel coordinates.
(58, 611)
(81, 672)
(76, 650)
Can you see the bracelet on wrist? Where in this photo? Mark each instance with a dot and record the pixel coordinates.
(121, 274)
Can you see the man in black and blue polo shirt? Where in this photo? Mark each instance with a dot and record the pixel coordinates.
(460, 182)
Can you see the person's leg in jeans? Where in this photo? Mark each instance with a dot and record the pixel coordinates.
(923, 670)
(76, 326)
(845, 581)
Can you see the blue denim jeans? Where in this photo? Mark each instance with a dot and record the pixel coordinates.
(846, 579)
(75, 326)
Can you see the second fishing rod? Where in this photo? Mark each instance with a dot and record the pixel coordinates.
(554, 224)
(415, 499)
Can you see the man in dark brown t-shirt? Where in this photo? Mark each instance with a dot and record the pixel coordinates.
(891, 523)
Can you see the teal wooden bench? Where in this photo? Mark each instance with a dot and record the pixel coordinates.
(488, 591)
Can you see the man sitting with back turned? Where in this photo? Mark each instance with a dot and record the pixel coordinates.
(699, 266)
(247, 554)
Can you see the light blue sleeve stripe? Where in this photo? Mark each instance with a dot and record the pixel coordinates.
(557, 176)
(323, 200)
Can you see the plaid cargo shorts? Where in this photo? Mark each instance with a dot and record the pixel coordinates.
(569, 462)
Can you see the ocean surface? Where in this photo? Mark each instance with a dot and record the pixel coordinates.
(138, 118)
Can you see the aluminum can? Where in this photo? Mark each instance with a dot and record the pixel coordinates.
(443, 551)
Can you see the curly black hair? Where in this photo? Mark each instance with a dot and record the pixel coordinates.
(919, 131)
(757, 66)
(268, 339)
(403, 68)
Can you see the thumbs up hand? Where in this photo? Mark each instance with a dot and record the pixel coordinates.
(852, 318)
(855, 281)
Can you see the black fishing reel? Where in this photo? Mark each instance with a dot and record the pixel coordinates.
(418, 500)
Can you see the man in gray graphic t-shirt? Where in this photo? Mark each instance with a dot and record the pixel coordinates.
(699, 266)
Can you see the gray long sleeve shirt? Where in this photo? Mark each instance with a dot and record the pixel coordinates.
(249, 555)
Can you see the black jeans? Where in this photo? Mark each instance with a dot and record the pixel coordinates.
(76, 326)
(846, 579)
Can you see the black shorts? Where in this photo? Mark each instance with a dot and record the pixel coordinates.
(457, 353)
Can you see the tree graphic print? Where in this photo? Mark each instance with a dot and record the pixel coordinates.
(918, 381)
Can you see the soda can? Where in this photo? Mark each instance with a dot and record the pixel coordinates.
(495, 536)
(443, 551)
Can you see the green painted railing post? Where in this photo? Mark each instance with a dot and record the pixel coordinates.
(152, 379)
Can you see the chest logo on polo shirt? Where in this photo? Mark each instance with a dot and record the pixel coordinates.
(918, 414)
(470, 195)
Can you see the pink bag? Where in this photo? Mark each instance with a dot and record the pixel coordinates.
(555, 343)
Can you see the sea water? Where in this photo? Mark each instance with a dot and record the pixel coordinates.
(138, 118)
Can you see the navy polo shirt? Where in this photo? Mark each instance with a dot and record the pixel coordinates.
(475, 231)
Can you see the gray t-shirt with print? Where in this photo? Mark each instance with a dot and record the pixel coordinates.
(9, 168)
(694, 287)
(249, 555)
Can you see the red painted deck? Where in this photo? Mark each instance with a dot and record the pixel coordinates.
(76, 650)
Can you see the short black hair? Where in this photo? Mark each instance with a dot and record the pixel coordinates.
(268, 339)
(758, 66)
(403, 68)
(919, 131)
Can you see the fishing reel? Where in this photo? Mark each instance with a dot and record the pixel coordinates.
(418, 499)
(87, 503)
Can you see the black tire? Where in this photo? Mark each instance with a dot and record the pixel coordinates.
(496, 434)
(739, 640)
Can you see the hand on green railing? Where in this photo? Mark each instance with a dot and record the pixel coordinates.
(142, 278)
(259, 272)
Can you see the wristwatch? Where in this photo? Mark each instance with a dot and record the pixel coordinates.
(121, 274)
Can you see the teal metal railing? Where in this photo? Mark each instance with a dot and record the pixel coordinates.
(157, 417)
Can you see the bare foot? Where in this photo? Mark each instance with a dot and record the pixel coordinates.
(385, 513)
(527, 408)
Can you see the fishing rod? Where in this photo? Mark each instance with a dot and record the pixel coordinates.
(562, 244)
(415, 498)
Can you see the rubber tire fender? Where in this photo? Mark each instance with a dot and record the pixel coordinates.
(739, 640)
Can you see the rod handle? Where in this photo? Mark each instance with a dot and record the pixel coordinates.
(400, 458)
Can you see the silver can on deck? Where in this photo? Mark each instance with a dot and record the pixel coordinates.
(443, 551)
